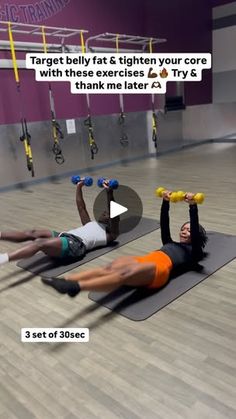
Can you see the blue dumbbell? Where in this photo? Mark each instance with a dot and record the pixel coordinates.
(112, 183)
(87, 180)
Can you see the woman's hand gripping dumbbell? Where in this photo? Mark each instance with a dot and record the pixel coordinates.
(107, 183)
(87, 180)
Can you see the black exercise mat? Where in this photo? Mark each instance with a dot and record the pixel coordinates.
(41, 264)
(139, 303)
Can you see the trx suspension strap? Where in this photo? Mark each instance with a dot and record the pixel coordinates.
(124, 137)
(56, 129)
(154, 116)
(88, 121)
(25, 137)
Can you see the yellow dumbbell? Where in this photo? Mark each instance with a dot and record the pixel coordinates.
(180, 195)
(198, 197)
(173, 196)
(160, 191)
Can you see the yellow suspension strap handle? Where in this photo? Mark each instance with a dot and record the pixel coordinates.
(92, 144)
(154, 116)
(56, 129)
(25, 137)
(121, 120)
(88, 121)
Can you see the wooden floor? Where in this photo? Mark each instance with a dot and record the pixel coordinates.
(180, 363)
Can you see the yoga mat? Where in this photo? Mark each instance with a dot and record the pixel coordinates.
(41, 264)
(140, 303)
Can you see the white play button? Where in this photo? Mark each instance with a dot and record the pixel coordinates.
(129, 208)
(116, 209)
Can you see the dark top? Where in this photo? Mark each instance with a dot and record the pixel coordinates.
(184, 256)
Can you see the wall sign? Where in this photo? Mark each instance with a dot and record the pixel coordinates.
(33, 12)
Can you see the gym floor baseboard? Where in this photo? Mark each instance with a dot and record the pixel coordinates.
(90, 170)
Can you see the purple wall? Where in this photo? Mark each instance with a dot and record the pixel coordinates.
(187, 29)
